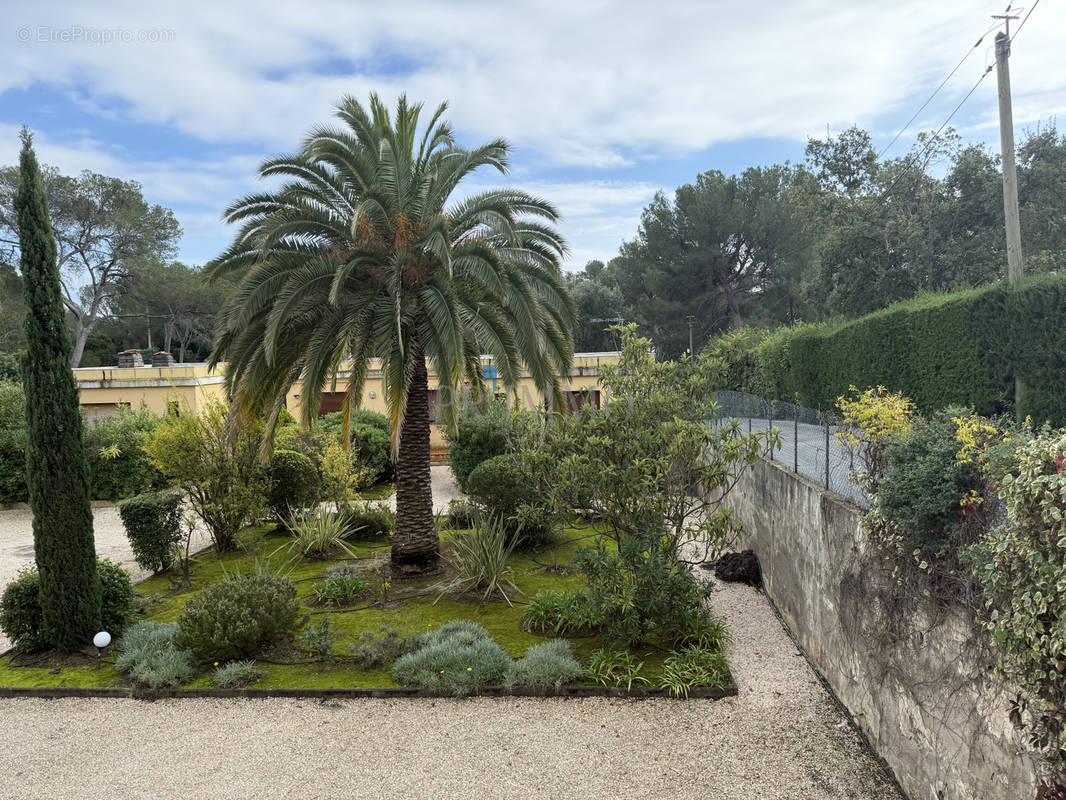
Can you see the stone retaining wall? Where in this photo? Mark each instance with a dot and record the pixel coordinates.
(921, 688)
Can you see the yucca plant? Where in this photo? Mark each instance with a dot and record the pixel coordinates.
(479, 559)
(364, 251)
(317, 532)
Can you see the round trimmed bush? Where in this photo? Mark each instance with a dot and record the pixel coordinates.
(479, 436)
(294, 483)
(153, 525)
(499, 485)
(372, 447)
(232, 618)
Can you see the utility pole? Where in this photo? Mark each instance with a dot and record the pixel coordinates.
(148, 325)
(691, 321)
(1015, 265)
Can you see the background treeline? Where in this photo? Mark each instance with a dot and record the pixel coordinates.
(843, 234)
(121, 288)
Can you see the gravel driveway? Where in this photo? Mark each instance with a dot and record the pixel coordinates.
(782, 738)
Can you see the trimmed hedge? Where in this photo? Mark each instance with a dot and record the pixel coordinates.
(962, 348)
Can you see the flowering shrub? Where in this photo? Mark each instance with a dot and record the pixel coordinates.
(870, 419)
(1022, 568)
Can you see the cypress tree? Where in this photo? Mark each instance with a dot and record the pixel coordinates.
(56, 469)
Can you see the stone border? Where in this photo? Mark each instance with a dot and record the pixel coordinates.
(50, 692)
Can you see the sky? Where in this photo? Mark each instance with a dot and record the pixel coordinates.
(604, 102)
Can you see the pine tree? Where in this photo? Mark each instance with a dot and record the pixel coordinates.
(56, 470)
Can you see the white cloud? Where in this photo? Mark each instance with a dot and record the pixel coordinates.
(604, 85)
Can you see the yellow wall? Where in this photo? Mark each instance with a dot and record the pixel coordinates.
(101, 389)
(585, 374)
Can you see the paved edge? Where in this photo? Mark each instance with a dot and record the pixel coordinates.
(46, 692)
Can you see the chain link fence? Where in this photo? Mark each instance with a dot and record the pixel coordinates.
(809, 444)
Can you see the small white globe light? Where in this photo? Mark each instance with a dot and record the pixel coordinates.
(102, 639)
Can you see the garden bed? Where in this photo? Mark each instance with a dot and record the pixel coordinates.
(410, 608)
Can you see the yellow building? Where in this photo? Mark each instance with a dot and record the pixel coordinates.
(580, 386)
(103, 390)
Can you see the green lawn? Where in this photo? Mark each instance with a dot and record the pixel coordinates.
(411, 607)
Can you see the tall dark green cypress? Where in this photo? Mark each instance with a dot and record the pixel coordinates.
(56, 470)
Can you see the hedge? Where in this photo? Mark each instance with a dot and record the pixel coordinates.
(962, 348)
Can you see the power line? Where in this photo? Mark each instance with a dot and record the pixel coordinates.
(1029, 14)
(936, 135)
(936, 92)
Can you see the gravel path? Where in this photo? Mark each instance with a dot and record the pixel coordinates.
(781, 738)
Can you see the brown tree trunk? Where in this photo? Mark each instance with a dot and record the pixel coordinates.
(415, 545)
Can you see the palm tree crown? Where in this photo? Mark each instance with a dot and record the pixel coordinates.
(362, 252)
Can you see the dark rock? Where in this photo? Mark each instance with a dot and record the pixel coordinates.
(739, 568)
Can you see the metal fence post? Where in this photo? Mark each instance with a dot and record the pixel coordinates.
(827, 451)
(770, 426)
(795, 442)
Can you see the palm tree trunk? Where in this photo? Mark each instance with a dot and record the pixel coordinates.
(415, 545)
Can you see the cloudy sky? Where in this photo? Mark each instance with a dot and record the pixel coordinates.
(604, 102)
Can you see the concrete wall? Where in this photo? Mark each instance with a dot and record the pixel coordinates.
(921, 688)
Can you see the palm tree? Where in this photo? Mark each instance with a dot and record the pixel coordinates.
(363, 252)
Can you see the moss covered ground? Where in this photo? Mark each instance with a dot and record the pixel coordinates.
(410, 607)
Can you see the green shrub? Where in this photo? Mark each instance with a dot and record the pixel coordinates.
(294, 483)
(148, 653)
(480, 434)
(12, 443)
(318, 639)
(499, 485)
(507, 490)
(368, 520)
(694, 666)
(333, 423)
(118, 465)
(459, 657)
(369, 436)
(217, 468)
(479, 561)
(372, 448)
(20, 607)
(339, 590)
(560, 613)
(923, 482)
(1021, 567)
(235, 674)
(545, 665)
(615, 668)
(639, 590)
(461, 514)
(20, 611)
(232, 618)
(153, 525)
(116, 595)
(376, 651)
